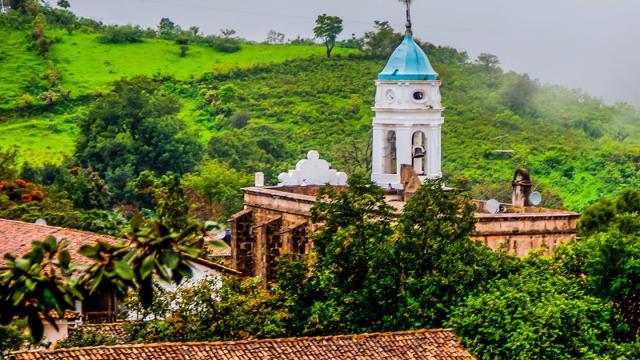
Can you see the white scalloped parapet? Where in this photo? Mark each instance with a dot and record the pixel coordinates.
(312, 171)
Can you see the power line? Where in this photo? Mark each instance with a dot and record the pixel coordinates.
(272, 14)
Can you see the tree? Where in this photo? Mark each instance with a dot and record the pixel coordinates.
(12, 338)
(606, 214)
(37, 286)
(183, 50)
(133, 129)
(8, 163)
(168, 197)
(167, 29)
(534, 315)
(194, 31)
(489, 61)
(118, 34)
(381, 42)
(518, 93)
(439, 262)
(151, 252)
(64, 4)
(227, 33)
(274, 37)
(609, 263)
(328, 28)
(220, 185)
(86, 337)
(212, 309)
(597, 218)
(351, 248)
(250, 149)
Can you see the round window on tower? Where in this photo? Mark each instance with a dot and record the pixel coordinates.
(418, 95)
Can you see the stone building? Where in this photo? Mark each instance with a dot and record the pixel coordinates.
(277, 220)
(406, 151)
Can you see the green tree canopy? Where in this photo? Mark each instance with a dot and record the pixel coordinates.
(328, 28)
(439, 262)
(381, 42)
(534, 315)
(132, 129)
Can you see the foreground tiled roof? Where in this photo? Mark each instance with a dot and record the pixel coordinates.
(16, 238)
(422, 344)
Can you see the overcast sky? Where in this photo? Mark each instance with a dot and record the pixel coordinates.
(588, 44)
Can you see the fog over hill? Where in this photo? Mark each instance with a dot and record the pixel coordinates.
(588, 44)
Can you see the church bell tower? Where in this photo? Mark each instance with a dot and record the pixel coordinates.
(408, 116)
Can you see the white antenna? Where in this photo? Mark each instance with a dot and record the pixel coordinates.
(492, 206)
(535, 198)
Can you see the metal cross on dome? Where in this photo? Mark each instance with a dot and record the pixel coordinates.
(409, 31)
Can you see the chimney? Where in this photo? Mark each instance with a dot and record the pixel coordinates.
(259, 181)
(521, 189)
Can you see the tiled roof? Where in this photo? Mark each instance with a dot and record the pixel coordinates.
(16, 238)
(421, 344)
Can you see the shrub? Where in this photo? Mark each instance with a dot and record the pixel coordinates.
(87, 338)
(25, 102)
(183, 50)
(12, 338)
(226, 45)
(115, 34)
(240, 120)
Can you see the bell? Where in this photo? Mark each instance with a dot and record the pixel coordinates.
(418, 152)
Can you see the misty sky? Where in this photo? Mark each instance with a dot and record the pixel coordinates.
(588, 44)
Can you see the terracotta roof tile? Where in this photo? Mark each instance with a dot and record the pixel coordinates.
(16, 238)
(421, 344)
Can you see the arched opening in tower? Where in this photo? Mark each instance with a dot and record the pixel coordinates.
(419, 152)
(390, 156)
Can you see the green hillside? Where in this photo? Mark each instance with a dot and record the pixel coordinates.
(86, 66)
(287, 99)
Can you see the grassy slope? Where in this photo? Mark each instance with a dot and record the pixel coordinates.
(88, 66)
(18, 63)
(39, 140)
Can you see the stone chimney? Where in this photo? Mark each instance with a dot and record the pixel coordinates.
(521, 189)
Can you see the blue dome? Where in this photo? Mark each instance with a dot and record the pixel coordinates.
(408, 62)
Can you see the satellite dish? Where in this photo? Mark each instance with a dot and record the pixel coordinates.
(41, 222)
(535, 198)
(492, 206)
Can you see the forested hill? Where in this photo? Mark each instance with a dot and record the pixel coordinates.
(261, 107)
(577, 148)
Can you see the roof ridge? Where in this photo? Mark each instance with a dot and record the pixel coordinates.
(56, 229)
(28, 223)
(238, 342)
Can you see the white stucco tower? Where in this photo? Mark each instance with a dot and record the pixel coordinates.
(408, 121)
